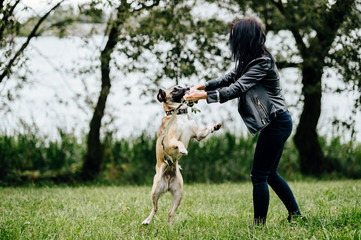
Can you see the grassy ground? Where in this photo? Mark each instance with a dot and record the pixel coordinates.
(219, 211)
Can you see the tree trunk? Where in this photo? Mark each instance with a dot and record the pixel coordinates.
(326, 25)
(312, 159)
(306, 137)
(93, 158)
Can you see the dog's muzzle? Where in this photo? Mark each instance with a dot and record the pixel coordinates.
(178, 93)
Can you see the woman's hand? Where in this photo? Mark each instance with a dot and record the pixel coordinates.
(199, 87)
(194, 95)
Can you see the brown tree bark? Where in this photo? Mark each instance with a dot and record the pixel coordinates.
(93, 157)
(312, 159)
(306, 137)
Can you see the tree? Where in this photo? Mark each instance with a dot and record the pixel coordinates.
(15, 38)
(93, 157)
(170, 24)
(10, 28)
(191, 46)
(316, 27)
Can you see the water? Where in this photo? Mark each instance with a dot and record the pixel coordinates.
(56, 93)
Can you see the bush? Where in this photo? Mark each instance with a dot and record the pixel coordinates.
(25, 157)
(220, 158)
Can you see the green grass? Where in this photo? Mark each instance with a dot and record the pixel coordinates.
(216, 211)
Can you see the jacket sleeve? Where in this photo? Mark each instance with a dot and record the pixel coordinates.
(251, 77)
(223, 81)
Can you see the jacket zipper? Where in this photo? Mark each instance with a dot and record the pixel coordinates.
(255, 105)
(264, 110)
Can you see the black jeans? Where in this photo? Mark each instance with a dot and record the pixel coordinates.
(268, 152)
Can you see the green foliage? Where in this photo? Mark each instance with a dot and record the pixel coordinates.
(183, 45)
(91, 13)
(342, 159)
(9, 25)
(130, 161)
(30, 158)
(218, 211)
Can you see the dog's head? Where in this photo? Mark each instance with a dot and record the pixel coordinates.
(172, 95)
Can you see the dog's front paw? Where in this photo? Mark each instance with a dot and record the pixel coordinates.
(217, 126)
(183, 151)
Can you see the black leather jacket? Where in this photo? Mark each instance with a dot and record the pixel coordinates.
(258, 90)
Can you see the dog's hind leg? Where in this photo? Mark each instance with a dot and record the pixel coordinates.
(159, 187)
(176, 189)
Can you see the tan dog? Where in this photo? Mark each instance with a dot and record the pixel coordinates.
(175, 143)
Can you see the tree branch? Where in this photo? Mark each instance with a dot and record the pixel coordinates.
(299, 41)
(6, 17)
(279, 5)
(285, 64)
(332, 21)
(293, 26)
(33, 33)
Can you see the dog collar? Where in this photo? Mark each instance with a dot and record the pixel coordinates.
(180, 111)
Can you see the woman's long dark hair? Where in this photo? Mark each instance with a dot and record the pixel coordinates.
(247, 41)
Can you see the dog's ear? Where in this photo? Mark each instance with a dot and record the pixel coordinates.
(161, 96)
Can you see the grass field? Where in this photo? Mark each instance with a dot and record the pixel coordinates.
(219, 211)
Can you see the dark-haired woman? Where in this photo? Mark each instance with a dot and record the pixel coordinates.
(255, 82)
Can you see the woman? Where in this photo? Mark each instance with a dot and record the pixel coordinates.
(255, 82)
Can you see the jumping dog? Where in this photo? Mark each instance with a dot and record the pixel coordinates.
(171, 145)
